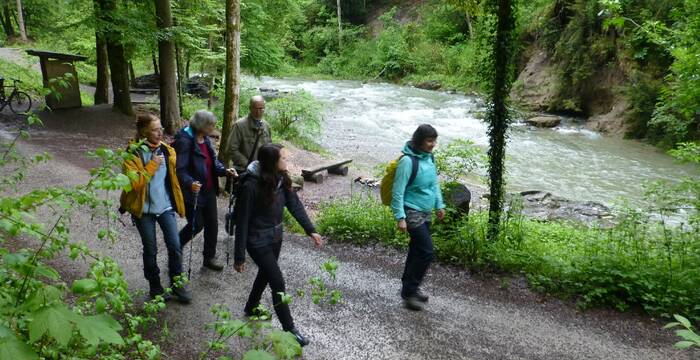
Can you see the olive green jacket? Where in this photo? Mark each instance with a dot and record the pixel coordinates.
(242, 139)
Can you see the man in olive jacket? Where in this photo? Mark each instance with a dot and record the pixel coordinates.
(242, 139)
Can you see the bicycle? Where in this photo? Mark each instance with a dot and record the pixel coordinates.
(19, 101)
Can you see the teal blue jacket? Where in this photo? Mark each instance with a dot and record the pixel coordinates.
(424, 193)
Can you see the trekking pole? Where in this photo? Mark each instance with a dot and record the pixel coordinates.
(230, 230)
(194, 219)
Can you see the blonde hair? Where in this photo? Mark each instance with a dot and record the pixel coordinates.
(143, 121)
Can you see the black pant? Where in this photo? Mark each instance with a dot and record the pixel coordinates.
(420, 255)
(269, 272)
(206, 218)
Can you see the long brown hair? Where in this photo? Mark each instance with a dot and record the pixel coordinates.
(270, 176)
(143, 121)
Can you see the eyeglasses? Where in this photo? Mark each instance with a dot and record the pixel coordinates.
(160, 129)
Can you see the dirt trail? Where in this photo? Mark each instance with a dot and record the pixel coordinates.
(468, 317)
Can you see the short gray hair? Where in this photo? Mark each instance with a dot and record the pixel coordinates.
(202, 119)
(256, 98)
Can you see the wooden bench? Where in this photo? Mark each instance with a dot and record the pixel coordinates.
(144, 91)
(316, 174)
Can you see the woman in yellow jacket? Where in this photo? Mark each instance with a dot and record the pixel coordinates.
(155, 197)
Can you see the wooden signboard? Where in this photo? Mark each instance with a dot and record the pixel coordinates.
(59, 75)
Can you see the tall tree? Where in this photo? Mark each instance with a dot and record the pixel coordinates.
(20, 21)
(118, 64)
(7, 21)
(169, 109)
(102, 80)
(500, 72)
(232, 72)
(340, 26)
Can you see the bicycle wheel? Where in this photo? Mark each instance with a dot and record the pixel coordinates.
(20, 102)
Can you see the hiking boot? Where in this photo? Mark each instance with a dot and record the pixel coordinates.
(182, 295)
(413, 303)
(421, 297)
(250, 312)
(212, 264)
(158, 291)
(303, 341)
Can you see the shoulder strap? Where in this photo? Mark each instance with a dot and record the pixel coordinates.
(255, 147)
(414, 169)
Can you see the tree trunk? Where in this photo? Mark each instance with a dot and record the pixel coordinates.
(169, 109)
(470, 27)
(132, 74)
(155, 64)
(180, 84)
(187, 66)
(118, 65)
(497, 114)
(7, 21)
(102, 83)
(232, 73)
(20, 21)
(340, 27)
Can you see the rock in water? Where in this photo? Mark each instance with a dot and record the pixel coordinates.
(544, 121)
(429, 85)
(545, 206)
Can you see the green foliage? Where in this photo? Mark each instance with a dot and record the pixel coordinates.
(43, 318)
(297, 118)
(688, 334)
(459, 159)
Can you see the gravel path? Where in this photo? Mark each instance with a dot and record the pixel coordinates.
(469, 316)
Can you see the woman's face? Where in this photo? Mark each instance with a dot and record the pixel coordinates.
(429, 145)
(282, 163)
(154, 132)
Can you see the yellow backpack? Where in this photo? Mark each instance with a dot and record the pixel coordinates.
(387, 187)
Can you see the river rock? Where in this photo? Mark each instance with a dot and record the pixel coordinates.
(543, 205)
(271, 94)
(429, 85)
(544, 121)
(150, 81)
(458, 196)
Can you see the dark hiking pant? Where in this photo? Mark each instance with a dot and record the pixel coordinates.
(205, 217)
(420, 255)
(146, 226)
(265, 257)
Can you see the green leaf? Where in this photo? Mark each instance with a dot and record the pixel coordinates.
(685, 322)
(258, 355)
(84, 286)
(682, 345)
(47, 272)
(284, 344)
(11, 348)
(53, 320)
(5, 332)
(100, 328)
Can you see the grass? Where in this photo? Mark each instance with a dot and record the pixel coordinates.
(630, 264)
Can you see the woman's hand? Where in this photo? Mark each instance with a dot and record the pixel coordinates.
(196, 186)
(232, 173)
(318, 241)
(402, 225)
(158, 159)
(441, 214)
(239, 267)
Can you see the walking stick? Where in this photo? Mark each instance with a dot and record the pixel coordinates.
(194, 219)
(230, 222)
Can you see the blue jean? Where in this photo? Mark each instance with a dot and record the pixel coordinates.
(146, 226)
(420, 255)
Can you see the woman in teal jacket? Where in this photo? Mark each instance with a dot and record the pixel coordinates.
(416, 193)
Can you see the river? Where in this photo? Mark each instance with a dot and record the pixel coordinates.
(370, 122)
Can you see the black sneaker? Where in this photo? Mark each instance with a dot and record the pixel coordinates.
(300, 338)
(182, 295)
(159, 291)
(250, 312)
(212, 264)
(413, 303)
(421, 297)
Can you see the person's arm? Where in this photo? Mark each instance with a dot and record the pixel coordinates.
(403, 174)
(141, 177)
(243, 210)
(235, 140)
(296, 208)
(182, 168)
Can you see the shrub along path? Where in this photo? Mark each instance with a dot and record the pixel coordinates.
(468, 317)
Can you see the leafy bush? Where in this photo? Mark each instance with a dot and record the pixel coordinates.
(459, 159)
(296, 117)
(689, 336)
